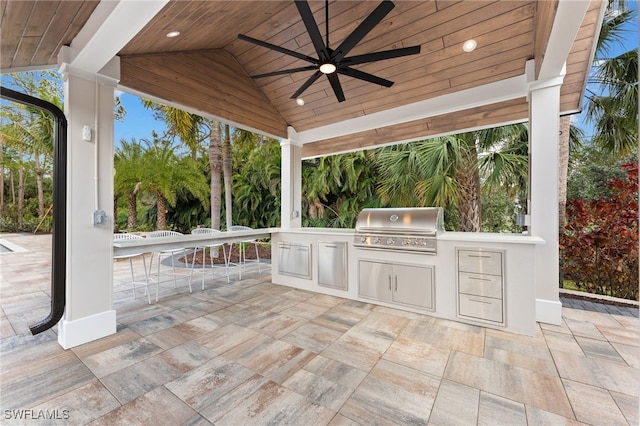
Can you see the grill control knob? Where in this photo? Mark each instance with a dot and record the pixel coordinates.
(376, 240)
(363, 239)
(406, 242)
(390, 241)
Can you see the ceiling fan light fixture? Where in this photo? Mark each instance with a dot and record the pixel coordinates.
(334, 61)
(469, 45)
(328, 68)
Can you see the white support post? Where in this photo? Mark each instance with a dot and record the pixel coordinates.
(89, 313)
(291, 175)
(544, 135)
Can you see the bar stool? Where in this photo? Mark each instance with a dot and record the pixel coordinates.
(242, 259)
(172, 253)
(209, 231)
(124, 236)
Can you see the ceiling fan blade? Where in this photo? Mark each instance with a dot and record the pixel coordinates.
(312, 29)
(381, 56)
(363, 29)
(278, 49)
(289, 71)
(361, 75)
(336, 86)
(306, 84)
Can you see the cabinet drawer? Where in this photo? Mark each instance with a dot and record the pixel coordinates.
(480, 284)
(479, 307)
(480, 261)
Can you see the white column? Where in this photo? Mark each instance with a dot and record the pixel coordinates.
(291, 175)
(89, 313)
(544, 131)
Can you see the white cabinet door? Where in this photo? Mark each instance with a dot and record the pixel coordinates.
(375, 280)
(413, 285)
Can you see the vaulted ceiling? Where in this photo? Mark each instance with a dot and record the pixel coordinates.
(208, 69)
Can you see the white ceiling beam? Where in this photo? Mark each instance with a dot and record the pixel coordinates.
(111, 26)
(500, 91)
(566, 24)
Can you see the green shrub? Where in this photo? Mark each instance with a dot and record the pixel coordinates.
(600, 242)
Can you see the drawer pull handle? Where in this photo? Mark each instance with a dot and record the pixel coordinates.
(478, 278)
(480, 301)
(485, 256)
(331, 245)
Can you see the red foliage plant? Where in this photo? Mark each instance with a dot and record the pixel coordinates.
(600, 242)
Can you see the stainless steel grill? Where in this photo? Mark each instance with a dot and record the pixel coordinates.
(410, 229)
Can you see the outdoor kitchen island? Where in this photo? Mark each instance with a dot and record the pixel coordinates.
(478, 278)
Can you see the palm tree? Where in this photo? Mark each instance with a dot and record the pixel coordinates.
(227, 171)
(338, 187)
(215, 167)
(128, 177)
(256, 181)
(165, 175)
(613, 109)
(31, 130)
(449, 171)
(193, 130)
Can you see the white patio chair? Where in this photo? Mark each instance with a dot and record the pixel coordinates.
(212, 247)
(242, 259)
(170, 252)
(124, 236)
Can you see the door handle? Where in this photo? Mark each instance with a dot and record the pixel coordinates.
(396, 283)
(389, 282)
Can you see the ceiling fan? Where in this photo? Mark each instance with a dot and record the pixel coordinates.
(332, 62)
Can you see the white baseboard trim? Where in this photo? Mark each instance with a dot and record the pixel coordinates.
(549, 311)
(86, 329)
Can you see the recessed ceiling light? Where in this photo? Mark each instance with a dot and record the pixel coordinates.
(469, 45)
(172, 34)
(300, 101)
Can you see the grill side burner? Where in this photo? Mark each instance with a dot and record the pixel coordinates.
(408, 229)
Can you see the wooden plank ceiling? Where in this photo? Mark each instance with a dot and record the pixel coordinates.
(207, 68)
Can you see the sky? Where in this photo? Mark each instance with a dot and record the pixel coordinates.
(138, 122)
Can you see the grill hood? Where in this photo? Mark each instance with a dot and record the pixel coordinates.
(411, 229)
(416, 221)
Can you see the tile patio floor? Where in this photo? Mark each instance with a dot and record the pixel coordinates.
(251, 352)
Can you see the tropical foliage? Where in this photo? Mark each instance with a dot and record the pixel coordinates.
(612, 95)
(453, 172)
(26, 152)
(600, 243)
(336, 188)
